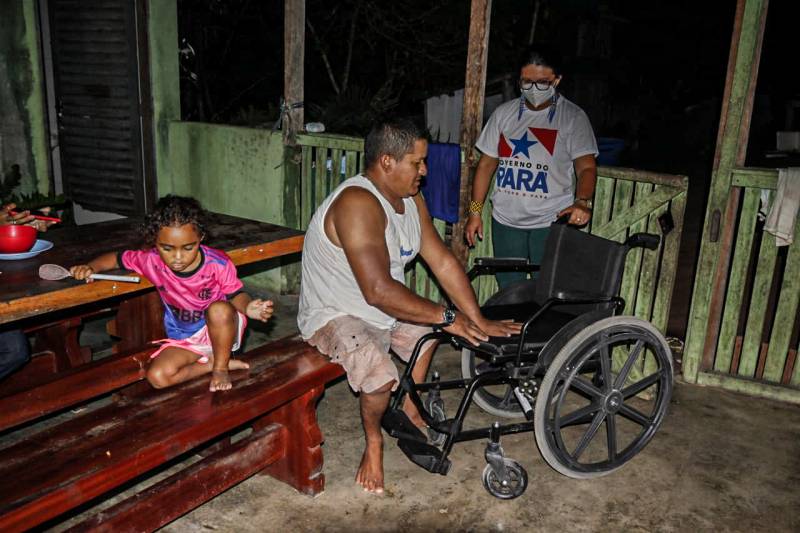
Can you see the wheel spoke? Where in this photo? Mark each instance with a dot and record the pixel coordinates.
(579, 416)
(626, 368)
(634, 415)
(641, 385)
(611, 435)
(586, 386)
(605, 363)
(589, 435)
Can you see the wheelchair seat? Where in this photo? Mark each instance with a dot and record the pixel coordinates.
(542, 331)
(575, 263)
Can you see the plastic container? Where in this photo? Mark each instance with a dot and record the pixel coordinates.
(16, 239)
(315, 127)
(610, 149)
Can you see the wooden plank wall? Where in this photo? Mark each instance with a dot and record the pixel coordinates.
(758, 337)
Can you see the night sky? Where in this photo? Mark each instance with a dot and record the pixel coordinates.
(649, 72)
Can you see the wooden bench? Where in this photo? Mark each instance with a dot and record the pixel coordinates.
(57, 469)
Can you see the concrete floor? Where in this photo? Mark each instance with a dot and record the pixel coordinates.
(721, 462)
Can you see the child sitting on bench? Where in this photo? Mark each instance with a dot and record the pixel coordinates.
(205, 309)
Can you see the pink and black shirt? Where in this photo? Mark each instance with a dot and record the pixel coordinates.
(186, 295)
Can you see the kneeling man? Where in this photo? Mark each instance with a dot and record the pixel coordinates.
(354, 305)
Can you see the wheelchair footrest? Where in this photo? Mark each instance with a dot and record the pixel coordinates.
(425, 455)
(398, 425)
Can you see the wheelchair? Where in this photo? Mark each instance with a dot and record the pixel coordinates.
(591, 384)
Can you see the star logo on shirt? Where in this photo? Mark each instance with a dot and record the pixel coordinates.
(522, 145)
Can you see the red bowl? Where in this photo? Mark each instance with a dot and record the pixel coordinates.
(16, 239)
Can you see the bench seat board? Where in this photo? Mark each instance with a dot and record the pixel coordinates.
(62, 467)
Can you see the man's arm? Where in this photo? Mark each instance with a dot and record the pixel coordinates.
(357, 223)
(453, 279)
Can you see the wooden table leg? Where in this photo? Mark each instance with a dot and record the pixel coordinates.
(61, 339)
(139, 321)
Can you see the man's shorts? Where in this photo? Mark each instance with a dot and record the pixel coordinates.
(363, 349)
(200, 342)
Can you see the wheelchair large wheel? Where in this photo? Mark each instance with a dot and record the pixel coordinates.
(497, 400)
(603, 397)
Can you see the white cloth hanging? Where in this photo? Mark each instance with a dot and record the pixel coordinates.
(782, 215)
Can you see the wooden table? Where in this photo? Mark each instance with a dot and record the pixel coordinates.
(54, 309)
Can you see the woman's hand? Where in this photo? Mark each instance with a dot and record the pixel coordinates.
(18, 219)
(259, 309)
(579, 214)
(474, 227)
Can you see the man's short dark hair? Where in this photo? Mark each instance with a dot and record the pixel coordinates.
(392, 137)
(542, 55)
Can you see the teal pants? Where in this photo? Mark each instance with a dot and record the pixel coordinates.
(513, 242)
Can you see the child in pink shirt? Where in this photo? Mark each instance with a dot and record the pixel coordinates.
(205, 309)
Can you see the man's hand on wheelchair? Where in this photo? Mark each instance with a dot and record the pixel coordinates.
(475, 333)
(579, 214)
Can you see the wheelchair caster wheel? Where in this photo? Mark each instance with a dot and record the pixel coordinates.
(513, 486)
(435, 406)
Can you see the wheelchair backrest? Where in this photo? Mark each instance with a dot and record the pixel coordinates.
(575, 261)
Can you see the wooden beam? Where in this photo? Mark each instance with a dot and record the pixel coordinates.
(294, 36)
(723, 200)
(472, 116)
(183, 491)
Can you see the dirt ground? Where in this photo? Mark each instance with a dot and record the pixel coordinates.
(721, 462)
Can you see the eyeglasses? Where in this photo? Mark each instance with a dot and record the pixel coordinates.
(541, 85)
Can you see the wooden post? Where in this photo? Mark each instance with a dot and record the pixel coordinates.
(723, 199)
(294, 36)
(472, 116)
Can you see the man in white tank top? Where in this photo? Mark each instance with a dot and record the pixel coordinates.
(354, 306)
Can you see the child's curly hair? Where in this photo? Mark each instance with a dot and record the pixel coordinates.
(171, 211)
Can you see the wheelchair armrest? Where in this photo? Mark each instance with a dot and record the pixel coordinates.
(576, 298)
(643, 240)
(504, 262)
(568, 296)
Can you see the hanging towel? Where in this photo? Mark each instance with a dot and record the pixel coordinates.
(441, 186)
(783, 213)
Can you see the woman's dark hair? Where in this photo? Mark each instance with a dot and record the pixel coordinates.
(542, 55)
(395, 138)
(171, 211)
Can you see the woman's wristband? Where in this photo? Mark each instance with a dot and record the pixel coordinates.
(475, 208)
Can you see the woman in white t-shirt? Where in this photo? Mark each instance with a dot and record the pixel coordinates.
(541, 150)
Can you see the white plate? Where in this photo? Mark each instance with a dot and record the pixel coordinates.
(39, 247)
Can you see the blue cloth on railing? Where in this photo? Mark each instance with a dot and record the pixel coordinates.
(441, 186)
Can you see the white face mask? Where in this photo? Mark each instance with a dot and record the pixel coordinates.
(537, 97)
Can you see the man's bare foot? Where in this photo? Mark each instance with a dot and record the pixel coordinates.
(411, 411)
(370, 471)
(237, 364)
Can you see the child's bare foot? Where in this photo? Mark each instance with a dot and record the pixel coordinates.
(370, 471)
(219, 380)
(237, 364)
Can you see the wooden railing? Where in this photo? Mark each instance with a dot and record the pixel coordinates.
(326, 161)
(626, 201)
(758, 336)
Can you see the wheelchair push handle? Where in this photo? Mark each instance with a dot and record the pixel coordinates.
(643, 240)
